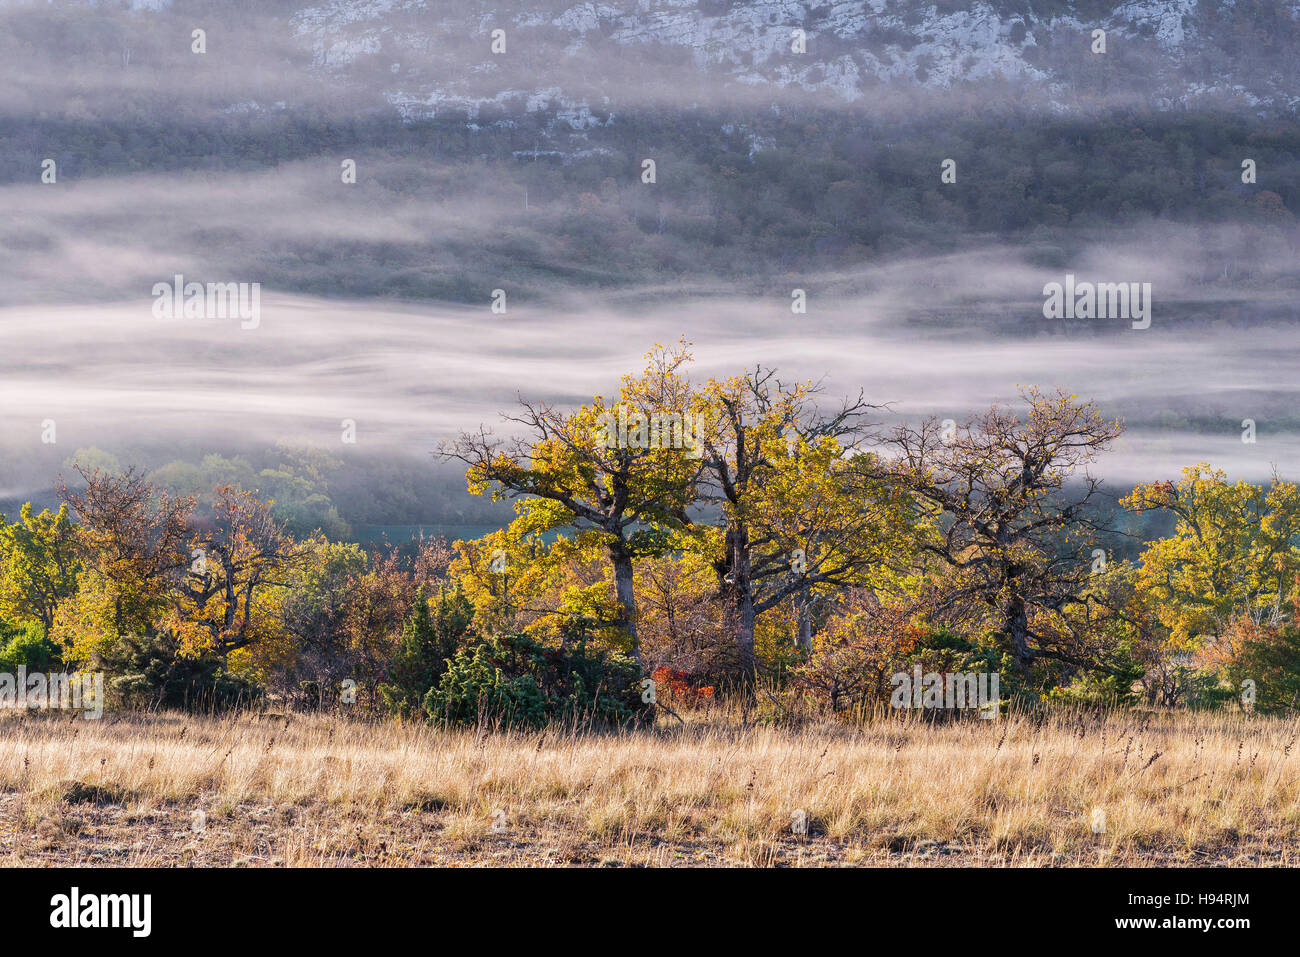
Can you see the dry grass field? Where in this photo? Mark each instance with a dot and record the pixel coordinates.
(162, 790)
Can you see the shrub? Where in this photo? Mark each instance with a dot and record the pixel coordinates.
(681, 687)
(148, 671)
(28, 647)
(1100, 690)
(857, 653)
(1269, 656)
(429, 638)
(513, 681)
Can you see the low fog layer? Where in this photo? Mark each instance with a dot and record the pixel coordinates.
(410, 376)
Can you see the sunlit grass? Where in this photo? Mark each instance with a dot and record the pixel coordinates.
(321, 790)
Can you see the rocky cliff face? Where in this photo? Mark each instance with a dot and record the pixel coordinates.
(432, 59)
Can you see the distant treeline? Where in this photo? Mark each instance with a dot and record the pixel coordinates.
(345, 497)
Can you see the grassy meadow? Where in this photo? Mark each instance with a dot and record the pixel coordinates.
(273, 790)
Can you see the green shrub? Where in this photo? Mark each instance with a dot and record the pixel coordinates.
(27, 646)
(512, 681)
(1099, 689)
(1096, 690)
(1203, 691)
(1269, 658)
(148, 671)
(944, 651)
(429, 638)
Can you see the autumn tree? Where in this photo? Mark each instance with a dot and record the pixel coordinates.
(556, 591)
(377, 605)
(602, 471)
(1014, 512)
(131, 539)
(315, 609)
(681, 621)
(38, 564)
(1266, 660)
(1235, 551)
(221, 599)
(820, 523)
(796, 516)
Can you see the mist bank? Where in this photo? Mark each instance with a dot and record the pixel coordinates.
(362, 377)
(420, 230)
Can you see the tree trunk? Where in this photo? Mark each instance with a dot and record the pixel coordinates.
(737, 592)
(745, 632)
(626, 595)
(803, 605)
(1016, 622)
